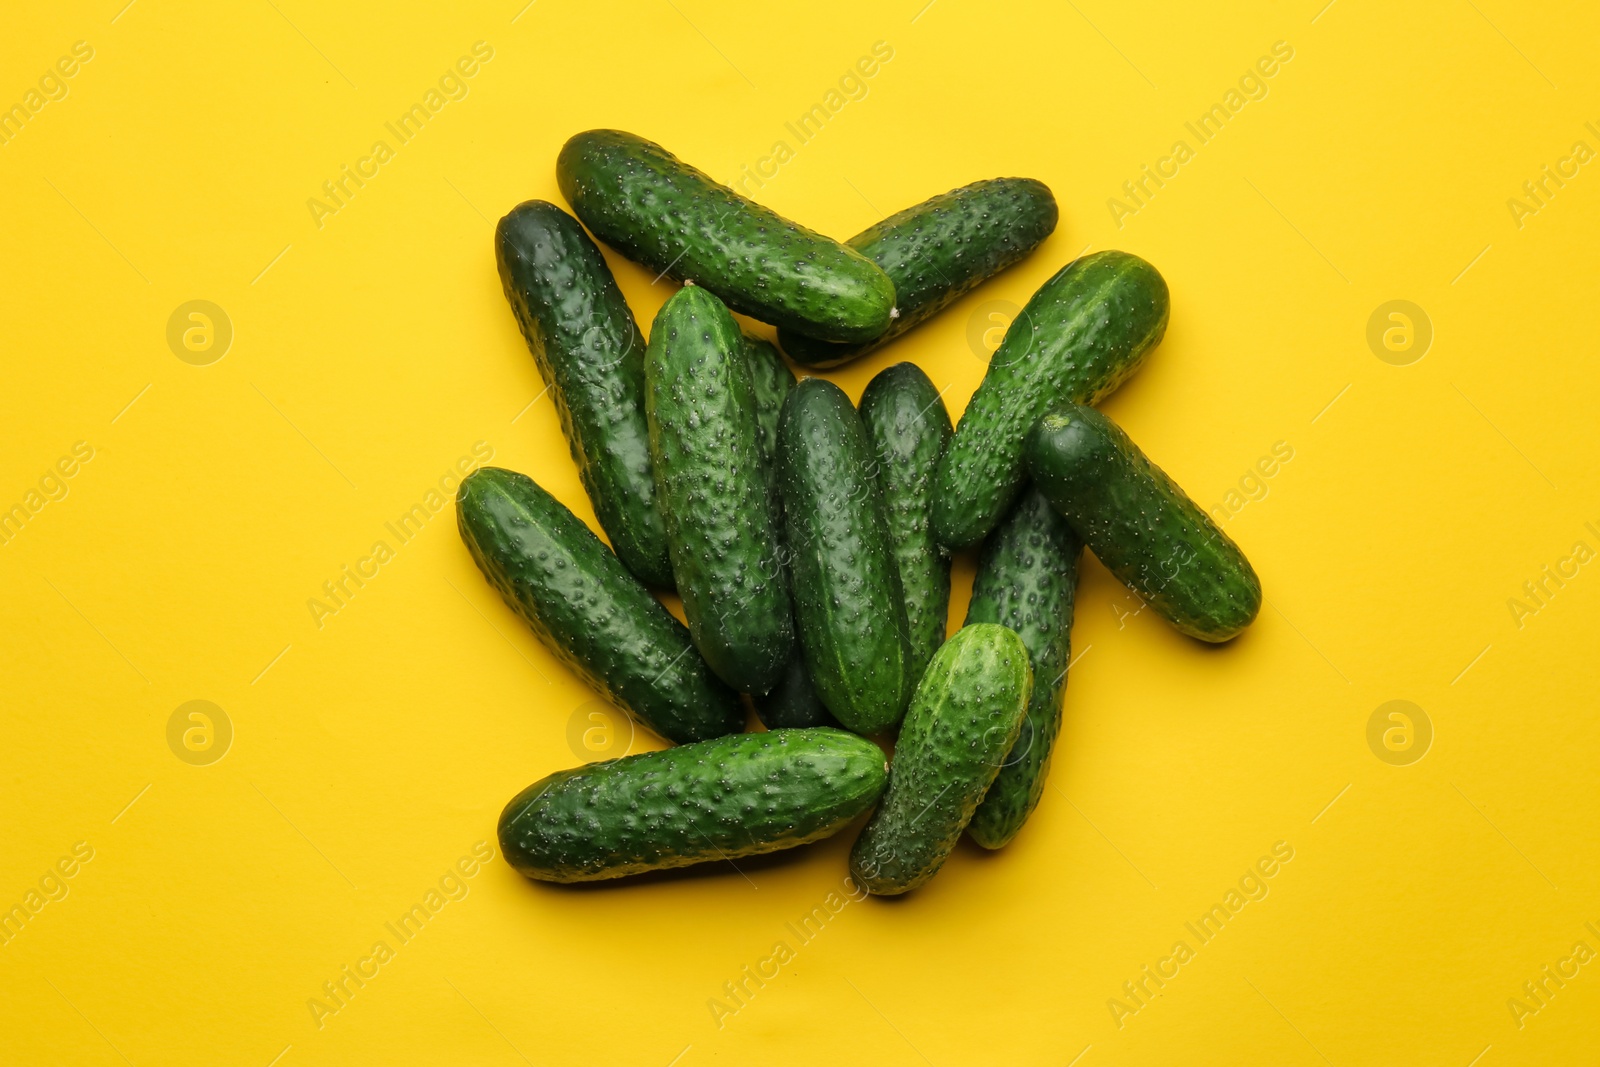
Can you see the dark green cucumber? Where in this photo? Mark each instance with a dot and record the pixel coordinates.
(588, 610)
(1141, 525)
(1027, 576)
(794, 700)
(848, 603)
(1078, 338)
(772, 380)
(938, 251)
(908, 427)
(962, 722)
(720, 799)
(591, 356)
(643, 201)
(705, 448)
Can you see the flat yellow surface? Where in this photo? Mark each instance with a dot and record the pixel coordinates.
(351, 358)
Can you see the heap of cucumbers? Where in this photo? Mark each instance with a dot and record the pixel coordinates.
(810, 539)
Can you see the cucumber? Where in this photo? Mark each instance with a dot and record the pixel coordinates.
(588, 610)
(908, 426)
(1078, 338)
(720, 799)
(1141, 525)
(962, 722)
(705, 448)
(849, 607)
(938, 251)
(641, 200)
(591, 355)
(1026, 579)
(772, 380)
(794, 700)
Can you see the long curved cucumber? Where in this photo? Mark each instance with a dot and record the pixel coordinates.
(705, 448)
(721, 799)
(588, 610)
(938, 251)
(657, 210)
(591, 355)
(848, 603)
(962, 722)
(1141, 525)
(1079, 337)
(1027, 577)
(908, 426)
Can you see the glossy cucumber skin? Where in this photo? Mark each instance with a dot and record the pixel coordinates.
(1027, 578)
(794, 700)
(772, 380)
(1141, 525)
(705, 449)
(658, 211)
(591, 355)
(938, 251)
(908, 426)
(721, 799)
(585, 606)
(1079, 337)
(848, 603)
(963, 720)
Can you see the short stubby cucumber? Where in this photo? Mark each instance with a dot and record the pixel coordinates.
(908, 427)
(1141, 525)
(1078, 338)
(588, 610)
(591, 355)
(963, 720)
(940, 250)
(658, 211)
(711, 486)
(1027, 577)
(849, 607)
(719, 799)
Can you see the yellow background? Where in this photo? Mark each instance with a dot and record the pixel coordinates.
(372, 752)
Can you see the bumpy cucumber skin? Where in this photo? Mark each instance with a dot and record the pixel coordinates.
(643, 201)
(588, 610)
(963, 720)
(1078, 338)
(1141, 525)
(908, 426)
(721, 799)
(940, 250)
(591, 354)
(794, 700)
(705, 449)
(849, 607)
(772, 380)
(1027, 578)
